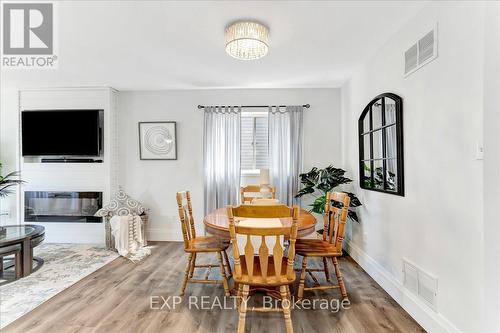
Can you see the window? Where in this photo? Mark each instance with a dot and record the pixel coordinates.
(254, 142)
(381, 145)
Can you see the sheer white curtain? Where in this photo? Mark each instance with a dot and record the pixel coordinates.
(221, 156)
(285, 151)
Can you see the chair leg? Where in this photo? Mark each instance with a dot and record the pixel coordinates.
(186, 274)
(239, 295)
(285, 304)
(19, 265)
(340, 280)
(300, 293)
(193, 264)
(228, 264)
(325, 267)
(223, 273)
(243, 309)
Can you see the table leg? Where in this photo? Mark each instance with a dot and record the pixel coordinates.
(27, 257)
(19, 266)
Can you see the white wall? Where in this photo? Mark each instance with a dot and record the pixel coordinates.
(491, 166)
(155, 182)
(9, 149)
(438, 225)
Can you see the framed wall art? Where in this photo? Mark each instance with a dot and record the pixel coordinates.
(158, 140)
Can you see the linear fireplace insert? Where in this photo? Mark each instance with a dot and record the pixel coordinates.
(51, 206)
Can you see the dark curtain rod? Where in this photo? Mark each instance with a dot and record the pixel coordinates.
(307, 106)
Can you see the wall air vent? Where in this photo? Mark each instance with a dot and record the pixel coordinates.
(422, 52)
(410, 277)
(427, 289)
(411, 58)
(423, 285)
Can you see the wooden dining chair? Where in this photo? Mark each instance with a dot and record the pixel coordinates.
(270, 268)
(194, 244)
(330, 247)
(249, 192)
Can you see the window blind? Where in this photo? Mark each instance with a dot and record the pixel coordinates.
(254, 141)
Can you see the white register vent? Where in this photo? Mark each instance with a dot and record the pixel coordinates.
(420, 283)
(421, 52)
(411, 59)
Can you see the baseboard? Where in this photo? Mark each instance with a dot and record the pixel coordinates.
(430, 320)
(163, 234)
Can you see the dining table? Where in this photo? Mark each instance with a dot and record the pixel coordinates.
(217, 224)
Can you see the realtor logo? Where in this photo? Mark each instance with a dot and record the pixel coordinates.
(28, 35)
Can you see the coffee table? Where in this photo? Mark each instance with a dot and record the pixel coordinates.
(27, 236)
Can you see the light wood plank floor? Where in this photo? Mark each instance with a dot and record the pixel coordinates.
(117, 297)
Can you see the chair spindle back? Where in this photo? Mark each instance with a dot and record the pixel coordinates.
(335, 218)
(186, 216)
(248, 193)
(266, 235)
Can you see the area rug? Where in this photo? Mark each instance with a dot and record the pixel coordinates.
(64, 264)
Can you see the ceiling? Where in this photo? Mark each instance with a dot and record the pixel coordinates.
(136, 45)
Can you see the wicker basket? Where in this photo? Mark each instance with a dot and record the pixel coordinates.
(110, 240)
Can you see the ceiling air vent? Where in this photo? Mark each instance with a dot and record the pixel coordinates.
(422, 52)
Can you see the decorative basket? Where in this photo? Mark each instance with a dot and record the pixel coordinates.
(110, 240)
(121, 205)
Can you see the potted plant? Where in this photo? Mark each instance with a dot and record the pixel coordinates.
(318, 182)
(8, 181)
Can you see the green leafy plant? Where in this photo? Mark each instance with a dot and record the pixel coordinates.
(318, 182)
(8, 181)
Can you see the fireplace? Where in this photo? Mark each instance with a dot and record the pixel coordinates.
(73, 207)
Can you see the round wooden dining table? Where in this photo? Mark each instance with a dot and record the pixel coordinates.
(217, 223)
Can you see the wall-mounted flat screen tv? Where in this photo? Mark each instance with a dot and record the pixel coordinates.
(60, 133)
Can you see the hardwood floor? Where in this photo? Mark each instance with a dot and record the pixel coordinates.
(117, 298)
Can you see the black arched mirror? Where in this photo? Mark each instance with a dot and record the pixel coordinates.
(381, 145)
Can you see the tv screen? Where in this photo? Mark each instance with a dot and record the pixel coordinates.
(60, 133)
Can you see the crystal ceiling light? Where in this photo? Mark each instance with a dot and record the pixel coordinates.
(247, 40)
